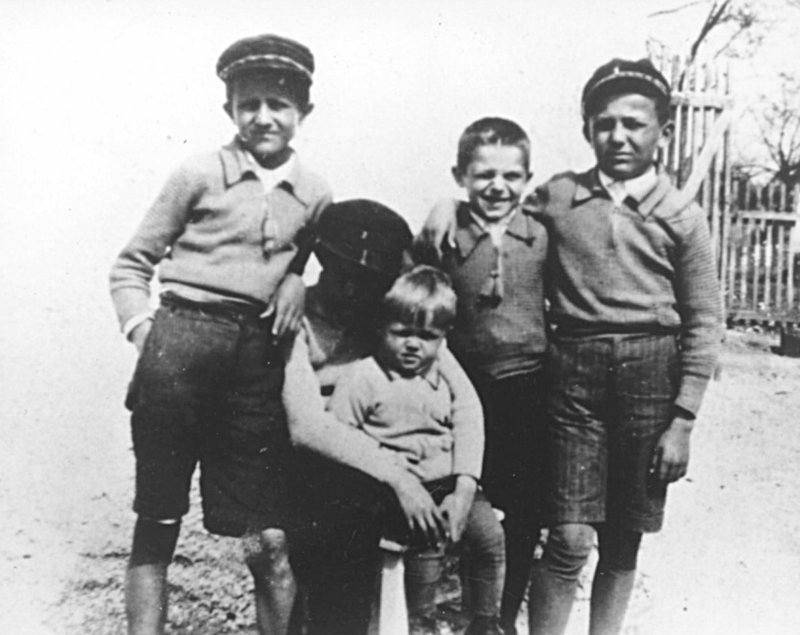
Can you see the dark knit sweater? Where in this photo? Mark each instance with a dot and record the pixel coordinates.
(641, 267)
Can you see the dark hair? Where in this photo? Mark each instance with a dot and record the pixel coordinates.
(422, 296)
(491, 131)
(297, 86)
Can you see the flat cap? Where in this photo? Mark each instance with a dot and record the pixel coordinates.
(366, 233)
(269, 52)
(639, 76)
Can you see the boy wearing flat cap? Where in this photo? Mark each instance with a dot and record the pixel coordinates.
(636, 317)
(635, 324)
(229, 236)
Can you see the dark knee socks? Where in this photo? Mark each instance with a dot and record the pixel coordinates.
(613, 580)
(555, 578)
(520, 544)
(153, 542)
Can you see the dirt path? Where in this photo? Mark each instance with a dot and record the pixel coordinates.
(728, 560)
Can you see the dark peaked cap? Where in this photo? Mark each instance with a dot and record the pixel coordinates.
(269, 52)
(365, 233)
(618, 74)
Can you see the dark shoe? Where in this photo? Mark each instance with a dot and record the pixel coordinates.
(484, 625)
(509, 629)
(429, 626)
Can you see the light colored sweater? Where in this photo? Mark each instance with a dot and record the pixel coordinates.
(216, 235)
(318, 357)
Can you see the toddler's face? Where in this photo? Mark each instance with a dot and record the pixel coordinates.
(626, 134)
(267, 118)
(494, 180)
(410, 349)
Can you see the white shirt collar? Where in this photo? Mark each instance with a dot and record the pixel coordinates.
(637, 187)
(270, 178)
(495, 229)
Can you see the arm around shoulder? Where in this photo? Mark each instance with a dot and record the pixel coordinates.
(439, 227)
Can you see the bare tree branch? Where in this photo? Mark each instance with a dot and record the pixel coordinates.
(657, 14)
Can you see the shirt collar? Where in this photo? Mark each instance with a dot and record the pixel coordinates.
(646, 190)
(432, 375)
(237, 162)
(271, 178)
(521, 226)
(637, 187)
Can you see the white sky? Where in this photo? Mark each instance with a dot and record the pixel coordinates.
(101, 99)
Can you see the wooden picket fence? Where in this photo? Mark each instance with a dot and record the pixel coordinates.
(762, 275)
(755, 228)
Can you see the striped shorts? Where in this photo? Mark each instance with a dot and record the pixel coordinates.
(610, 398)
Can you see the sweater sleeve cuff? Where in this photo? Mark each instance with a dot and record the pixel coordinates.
(131, 323)
(691, 393)
(468, 467)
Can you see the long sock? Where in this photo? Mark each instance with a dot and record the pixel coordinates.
(519, 559)
(551, 599)
(611, 593)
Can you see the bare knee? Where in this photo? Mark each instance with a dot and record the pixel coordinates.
(267, 557)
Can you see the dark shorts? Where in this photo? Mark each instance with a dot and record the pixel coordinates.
(207, 391)
(514, 459)
(610, 399)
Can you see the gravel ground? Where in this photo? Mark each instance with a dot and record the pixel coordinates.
(727, 561)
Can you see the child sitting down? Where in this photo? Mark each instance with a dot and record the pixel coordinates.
(399, 397)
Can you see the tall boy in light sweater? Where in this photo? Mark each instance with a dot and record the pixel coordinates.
(229, 235)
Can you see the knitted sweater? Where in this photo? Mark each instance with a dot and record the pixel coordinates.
(506, 336)
(638, 267)
(321, 354)
(411, 415)
(215, 234)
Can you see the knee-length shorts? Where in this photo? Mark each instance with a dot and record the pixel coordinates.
(610, 399)
(207, 391)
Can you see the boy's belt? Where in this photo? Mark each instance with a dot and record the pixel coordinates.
(236, 311)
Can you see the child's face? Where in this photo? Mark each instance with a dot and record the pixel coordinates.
(494, 180)
(410, 349)
(625, 134)
(267, 117)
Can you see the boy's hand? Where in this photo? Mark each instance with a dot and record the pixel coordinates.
(423, 517)
(455, 507)
(671, 455)
(440, 226)
(288, 304)
(140, 333)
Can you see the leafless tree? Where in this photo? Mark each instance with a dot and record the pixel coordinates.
(778, 122)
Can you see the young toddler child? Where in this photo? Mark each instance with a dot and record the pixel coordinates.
(399, 397)
(229, 235)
